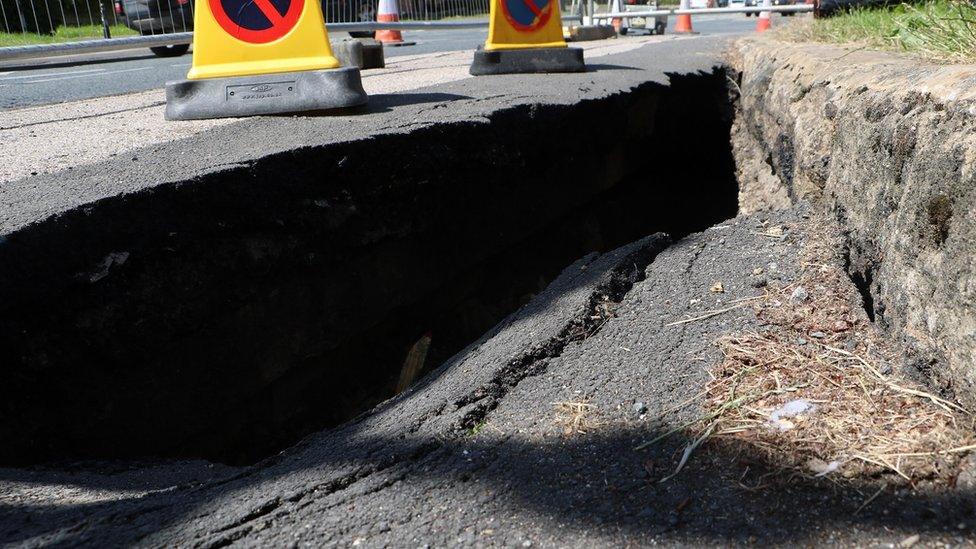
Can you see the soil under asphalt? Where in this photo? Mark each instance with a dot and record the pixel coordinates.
(478, 453)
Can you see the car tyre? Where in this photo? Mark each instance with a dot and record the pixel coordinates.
(660, 28)
(173, 50)
(623, 31)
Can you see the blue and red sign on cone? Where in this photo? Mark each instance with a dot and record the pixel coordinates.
(527, 15)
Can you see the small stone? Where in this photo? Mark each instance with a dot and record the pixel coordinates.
(526, 543)
(840, 326)
(759, 282)
(801, 341)
(799, 295)
(818, 335)
(640, 408)
(757, 271)
(717, 288)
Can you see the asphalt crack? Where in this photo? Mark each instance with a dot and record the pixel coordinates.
(602, 302)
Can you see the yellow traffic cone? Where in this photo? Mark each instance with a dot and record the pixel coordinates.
(526, 36)
(261, 57)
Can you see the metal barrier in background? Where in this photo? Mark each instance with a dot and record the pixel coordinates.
(58, 27)
(166, 26)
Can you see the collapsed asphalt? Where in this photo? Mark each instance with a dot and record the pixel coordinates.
(477, 453)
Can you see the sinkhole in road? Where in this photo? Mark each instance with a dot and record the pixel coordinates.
(247, 309)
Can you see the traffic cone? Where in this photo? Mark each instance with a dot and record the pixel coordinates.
(617, 22)
(683, 24)
(387, 12)
(259, 58)
(763, 24)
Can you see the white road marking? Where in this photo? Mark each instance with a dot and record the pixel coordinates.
(46, 74)
(108, 73)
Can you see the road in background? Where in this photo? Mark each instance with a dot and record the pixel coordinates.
(59, 79)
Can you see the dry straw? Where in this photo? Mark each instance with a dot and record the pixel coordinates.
(861, 418)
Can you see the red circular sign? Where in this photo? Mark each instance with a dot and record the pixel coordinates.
(257, 21)
(527, 15)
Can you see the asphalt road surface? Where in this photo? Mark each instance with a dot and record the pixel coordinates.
(55, 80)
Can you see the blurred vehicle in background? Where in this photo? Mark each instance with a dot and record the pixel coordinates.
(751, 3)
(784, 3)
(152, 17)
(653, 25)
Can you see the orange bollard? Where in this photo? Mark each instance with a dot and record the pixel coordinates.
(683, 24)
(763, 24)
(387, 12)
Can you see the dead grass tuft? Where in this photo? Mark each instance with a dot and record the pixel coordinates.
(574, 417)
(862, 419)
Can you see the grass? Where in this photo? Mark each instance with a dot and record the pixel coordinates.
(943, 30)
(63, 34)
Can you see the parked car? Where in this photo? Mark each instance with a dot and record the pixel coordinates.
(773, 2)
(749, 4)
(151, 17)
(785, 3)
(653, 25)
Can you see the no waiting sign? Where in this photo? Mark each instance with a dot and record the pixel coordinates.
(257, 21)
(527, 15)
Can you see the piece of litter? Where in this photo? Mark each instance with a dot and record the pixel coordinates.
(821, 467)
(799, 295)
(909, 541)
(110, 261)
(792, 408)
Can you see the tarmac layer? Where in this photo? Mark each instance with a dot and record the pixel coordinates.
(231, 312)
(99, 137)
(481, 452)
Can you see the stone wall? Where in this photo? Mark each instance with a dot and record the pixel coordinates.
(887, 145)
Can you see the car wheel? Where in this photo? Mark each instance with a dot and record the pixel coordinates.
(660, 28)
(174, 50)
(623, 31)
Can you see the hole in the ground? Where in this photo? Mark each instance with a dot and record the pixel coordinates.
(862, 277)
(266, 302)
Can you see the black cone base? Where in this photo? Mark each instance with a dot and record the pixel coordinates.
(281, 93)
(532, 60)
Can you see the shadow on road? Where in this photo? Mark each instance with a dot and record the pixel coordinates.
(79, 62)
(563, 485)
(385, 102)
